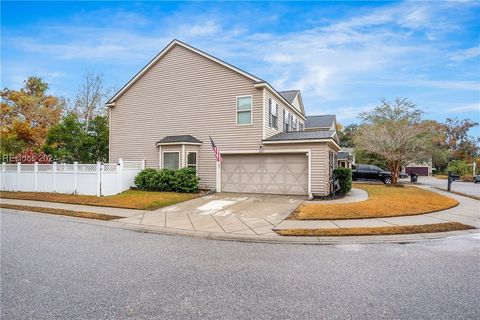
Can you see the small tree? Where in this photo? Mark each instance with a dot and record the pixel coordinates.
(71, 140)
(90, 100)
(393, 131)
(459, 167)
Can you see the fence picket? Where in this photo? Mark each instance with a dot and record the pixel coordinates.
(88, 179)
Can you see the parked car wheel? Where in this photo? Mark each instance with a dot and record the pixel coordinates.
(387, 180)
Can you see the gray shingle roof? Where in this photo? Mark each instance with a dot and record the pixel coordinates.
(289, 95)
(323, 121)
(179, 139)
(301, 135)
(342, 155)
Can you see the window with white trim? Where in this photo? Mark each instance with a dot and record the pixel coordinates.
(244, 110)
(286, 120)
(171, 160)
(273, 113)
(295, 124)
(301, 127)
(192, 160)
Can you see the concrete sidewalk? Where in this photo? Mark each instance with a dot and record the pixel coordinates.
(232, 221)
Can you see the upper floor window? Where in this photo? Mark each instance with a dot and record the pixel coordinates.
(273, 113)
(295, 124)
(301, 127)
(244, 110)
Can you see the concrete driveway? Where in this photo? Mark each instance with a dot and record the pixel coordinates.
(237, 213)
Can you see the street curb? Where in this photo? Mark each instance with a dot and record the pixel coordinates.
(407, 238)
(458, 193)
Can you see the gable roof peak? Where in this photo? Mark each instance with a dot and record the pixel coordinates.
(172, 43)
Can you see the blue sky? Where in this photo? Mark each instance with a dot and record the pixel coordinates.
(343, 56)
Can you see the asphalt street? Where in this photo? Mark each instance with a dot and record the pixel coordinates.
(469, 188)
(61, 268)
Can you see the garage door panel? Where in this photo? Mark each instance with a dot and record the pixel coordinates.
(268, 173)
(422, 171)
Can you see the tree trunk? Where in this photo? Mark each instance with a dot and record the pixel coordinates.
(394, 167)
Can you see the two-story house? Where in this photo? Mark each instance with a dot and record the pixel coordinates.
(167, 113)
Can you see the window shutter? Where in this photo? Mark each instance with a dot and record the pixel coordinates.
(270, 112)
(275, 111)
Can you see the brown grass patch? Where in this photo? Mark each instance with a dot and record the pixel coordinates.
(382, 202)
(132, 199)
(441, 176)
(62, 212)
(427, 228)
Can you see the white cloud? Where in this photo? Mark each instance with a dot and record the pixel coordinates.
(205, 29)
(463, 108)
(463, 55)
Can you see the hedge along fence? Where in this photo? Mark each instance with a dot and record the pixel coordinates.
(181, 180)
(344, 178)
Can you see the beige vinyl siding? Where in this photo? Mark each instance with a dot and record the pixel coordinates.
(318, 164)
(269, 131)
(296, 104)
(185, 94)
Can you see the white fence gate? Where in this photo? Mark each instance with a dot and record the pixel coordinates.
(87, 179)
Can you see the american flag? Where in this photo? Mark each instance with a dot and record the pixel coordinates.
(216, 151)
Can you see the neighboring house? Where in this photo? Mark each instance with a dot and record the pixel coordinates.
(346, 158)
(168, 111)
(321, 123)
(422, 169)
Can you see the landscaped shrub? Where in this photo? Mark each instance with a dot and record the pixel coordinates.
(163, 180)
(181, 180)
(344, 178)
(186, 180)
(144, 178)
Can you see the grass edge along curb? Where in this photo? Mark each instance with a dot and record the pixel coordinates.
(376, 231)
(62, 212)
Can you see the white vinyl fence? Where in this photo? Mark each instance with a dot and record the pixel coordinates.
(88, 179)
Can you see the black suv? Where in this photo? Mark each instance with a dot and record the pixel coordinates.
(371, 172)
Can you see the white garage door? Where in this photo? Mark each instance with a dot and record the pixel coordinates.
(266, 173)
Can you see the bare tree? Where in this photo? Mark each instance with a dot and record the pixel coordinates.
(91, 98)
(393, 131)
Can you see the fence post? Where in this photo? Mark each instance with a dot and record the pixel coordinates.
(19, 168)
(75, 169)
(54, 169)
(120, 174)
(3, 175)
(143, 164)
(35, 175)
(99, 178)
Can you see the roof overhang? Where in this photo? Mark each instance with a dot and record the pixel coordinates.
(177, 143)
(330, 141)
(317, 128)
(279, 96)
